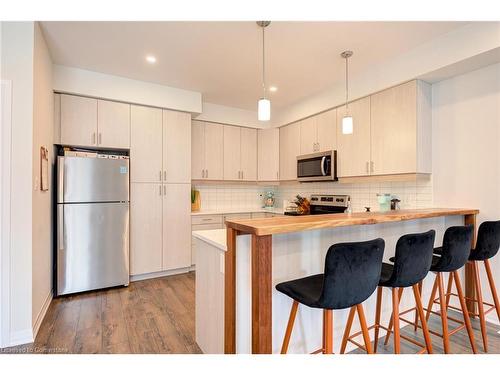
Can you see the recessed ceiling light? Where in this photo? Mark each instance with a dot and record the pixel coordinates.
(151, 59)
(273, 89)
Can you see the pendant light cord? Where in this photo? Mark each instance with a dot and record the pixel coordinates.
(263, 63)
(347, 85)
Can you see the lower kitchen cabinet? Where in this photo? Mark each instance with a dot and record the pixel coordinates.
(176, 226)
(160, 227)
(145, 228)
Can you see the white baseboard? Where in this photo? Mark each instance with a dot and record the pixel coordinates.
(154, 275)
(21, 337)
(41, 314)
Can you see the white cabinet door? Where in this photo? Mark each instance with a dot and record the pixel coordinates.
(248, 154)
(176, 147)
(145, 228)
(197, 150)
(268, 162)
(78, 121)
(289, 150)
(113, 124)
(214, 151)
(353, 150)
(232, 148)
(145, 144)
(326, 125)
(176, 226)
(394, 130)
(308, 136)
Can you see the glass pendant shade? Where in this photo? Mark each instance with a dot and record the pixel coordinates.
(264, 110)
(347, 124)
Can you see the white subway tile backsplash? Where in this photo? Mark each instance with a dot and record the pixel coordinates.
(413, 194)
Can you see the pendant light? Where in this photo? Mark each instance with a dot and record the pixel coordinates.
(347, 123)
(264, 104)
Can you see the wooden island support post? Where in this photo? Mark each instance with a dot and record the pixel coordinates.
(262, 230)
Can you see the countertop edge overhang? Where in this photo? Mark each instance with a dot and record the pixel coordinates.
(288, 224)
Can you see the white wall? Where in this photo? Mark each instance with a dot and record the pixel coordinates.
(43, 135)
(17, 66)
(99, 85)
(466, 148)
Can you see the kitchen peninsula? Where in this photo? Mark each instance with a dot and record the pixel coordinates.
(259, 253)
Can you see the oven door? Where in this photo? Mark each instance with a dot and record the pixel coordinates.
(320, 166)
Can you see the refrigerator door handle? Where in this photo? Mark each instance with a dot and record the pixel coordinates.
(60, 179)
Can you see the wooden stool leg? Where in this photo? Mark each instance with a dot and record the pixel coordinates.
(347, 330)
(444, 315)
(395, 319)
(431, 300)
(389, 329)
(328, 324)
(364, 328)
(289, 327)
(420, 311)
(416, 310)
(477, 281)
(448, 290)
(377, 317)
(465, 313)
(492, 287)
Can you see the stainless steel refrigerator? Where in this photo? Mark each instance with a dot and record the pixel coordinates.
(92, 223)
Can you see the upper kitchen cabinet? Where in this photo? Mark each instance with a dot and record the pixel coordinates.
(240, 153)
(94, 123)
(146, 144)
(289, 150)
(78, 121)
(113, 124)
(308, 135)
(248, 152)
(353, 150)
(268, 159)
(176, 147)
(207, 156)
(318, 133)
(401, 130)
(326, 131)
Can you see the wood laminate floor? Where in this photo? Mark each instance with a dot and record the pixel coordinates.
(157, 316)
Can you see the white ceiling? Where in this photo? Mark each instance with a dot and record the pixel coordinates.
(222, 60)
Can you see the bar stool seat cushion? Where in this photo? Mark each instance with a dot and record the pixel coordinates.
(306, 291)
(488, 241)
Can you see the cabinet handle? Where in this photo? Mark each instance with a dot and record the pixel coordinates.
(372, 168)
(367, 168)
(93, 138)
(206, 173)
(202, 173)
(165, 175)
(160, 174)
(164, 189)
(242, 175)
(160, 190)
(277, 175)
(100, 138)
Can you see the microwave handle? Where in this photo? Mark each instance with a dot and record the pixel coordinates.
(323, 159)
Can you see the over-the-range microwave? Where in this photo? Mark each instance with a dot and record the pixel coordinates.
(320, 166)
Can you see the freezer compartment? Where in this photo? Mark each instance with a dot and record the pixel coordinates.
(92, 246)
(92, 180)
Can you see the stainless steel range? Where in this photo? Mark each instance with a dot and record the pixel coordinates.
(329, 204)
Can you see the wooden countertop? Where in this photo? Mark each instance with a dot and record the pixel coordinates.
(287, 224)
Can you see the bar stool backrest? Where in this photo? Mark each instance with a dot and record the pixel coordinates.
(413, 259)
(488, 240)
(456, 247)
(352, 272)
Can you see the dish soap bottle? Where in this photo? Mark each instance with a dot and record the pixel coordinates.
(348, 210)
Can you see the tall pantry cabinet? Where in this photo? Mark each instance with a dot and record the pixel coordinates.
(160, 170)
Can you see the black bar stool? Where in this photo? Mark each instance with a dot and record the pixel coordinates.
(412, 263)
(352, 272)
(488, 243)
(454, 253)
